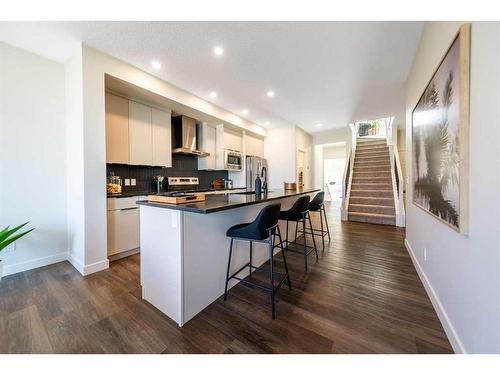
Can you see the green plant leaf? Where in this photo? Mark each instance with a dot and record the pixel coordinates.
(8, 241)
(4, 234)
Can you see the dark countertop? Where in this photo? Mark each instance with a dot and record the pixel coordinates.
(129, 194)
(221, 202)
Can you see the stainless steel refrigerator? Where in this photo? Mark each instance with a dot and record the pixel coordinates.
(254, 166)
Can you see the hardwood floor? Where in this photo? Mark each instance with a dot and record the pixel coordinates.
(362, 296)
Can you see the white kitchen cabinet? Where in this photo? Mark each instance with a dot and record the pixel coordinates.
(123, 225)
(207, 144)
(233, 140)
(254, 146)
(140, 134)
(117, 140)
(161, 138)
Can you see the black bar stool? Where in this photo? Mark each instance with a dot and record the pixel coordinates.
(299, 213)
(317, 205)
(262, 229)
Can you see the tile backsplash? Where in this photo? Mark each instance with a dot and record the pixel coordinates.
(182, 166)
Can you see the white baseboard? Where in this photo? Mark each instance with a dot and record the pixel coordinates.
(10, 269)
(450, 331)
(89, 268)
(95, 267)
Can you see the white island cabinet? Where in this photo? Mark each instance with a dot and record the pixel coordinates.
(184, 249)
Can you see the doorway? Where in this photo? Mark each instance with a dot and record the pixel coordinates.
(301, 163)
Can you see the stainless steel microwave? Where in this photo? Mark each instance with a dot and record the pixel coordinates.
(233, 160)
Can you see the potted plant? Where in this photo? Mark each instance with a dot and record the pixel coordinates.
(8, 236)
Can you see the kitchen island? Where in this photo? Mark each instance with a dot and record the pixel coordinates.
(184, 248)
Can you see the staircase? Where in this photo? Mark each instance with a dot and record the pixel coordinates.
(371, 192)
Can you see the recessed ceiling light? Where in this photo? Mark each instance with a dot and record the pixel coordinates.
(270, 94)
(245, 111)
(267, 123)
(156, 64)
(319, 124)
(213, 94)
(218, 51)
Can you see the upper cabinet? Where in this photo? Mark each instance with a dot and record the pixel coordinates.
(136, 133)
(162, 139)
(117, 140)
(140, 134)
(232, 140)
(254, 146)
(206, 142)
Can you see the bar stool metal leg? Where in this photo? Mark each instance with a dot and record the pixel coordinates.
(322, 231)
(312, 235)
(251, 256)
(228, 268)
(271, 273)
(305, 246)
(296, 228)
(326, 222)
(284, 258)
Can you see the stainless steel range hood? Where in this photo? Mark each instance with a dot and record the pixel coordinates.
(184, 139)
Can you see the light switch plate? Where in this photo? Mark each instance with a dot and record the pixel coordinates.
(127, 182)
(133, 182)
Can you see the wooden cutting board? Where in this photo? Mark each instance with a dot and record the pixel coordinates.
(190, 198)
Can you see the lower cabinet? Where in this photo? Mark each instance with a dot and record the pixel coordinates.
(123, 225)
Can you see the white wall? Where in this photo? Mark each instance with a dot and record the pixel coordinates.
(333, 136)
(280, 152)
(462, 273)
(32, 157)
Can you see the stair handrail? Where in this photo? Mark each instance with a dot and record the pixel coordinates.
(398, 185)
(346, 184)
(348, 172)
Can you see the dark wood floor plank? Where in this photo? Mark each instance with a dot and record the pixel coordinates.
(362, 296)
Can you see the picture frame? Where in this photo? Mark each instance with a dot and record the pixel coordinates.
(440, 138)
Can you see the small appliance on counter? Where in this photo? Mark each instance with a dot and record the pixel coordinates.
(228, 184)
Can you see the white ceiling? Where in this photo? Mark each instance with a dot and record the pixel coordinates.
(328, 72)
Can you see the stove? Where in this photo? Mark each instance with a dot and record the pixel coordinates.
(182, 183)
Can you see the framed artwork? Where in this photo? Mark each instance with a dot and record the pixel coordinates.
(440, 138)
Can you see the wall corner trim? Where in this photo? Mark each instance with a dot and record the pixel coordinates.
(450, 331)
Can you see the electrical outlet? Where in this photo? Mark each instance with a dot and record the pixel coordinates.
(11, 247)
(127, 182)
(133, 182)
(425, 253)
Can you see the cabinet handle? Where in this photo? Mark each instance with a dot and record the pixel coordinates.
(130, 208)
